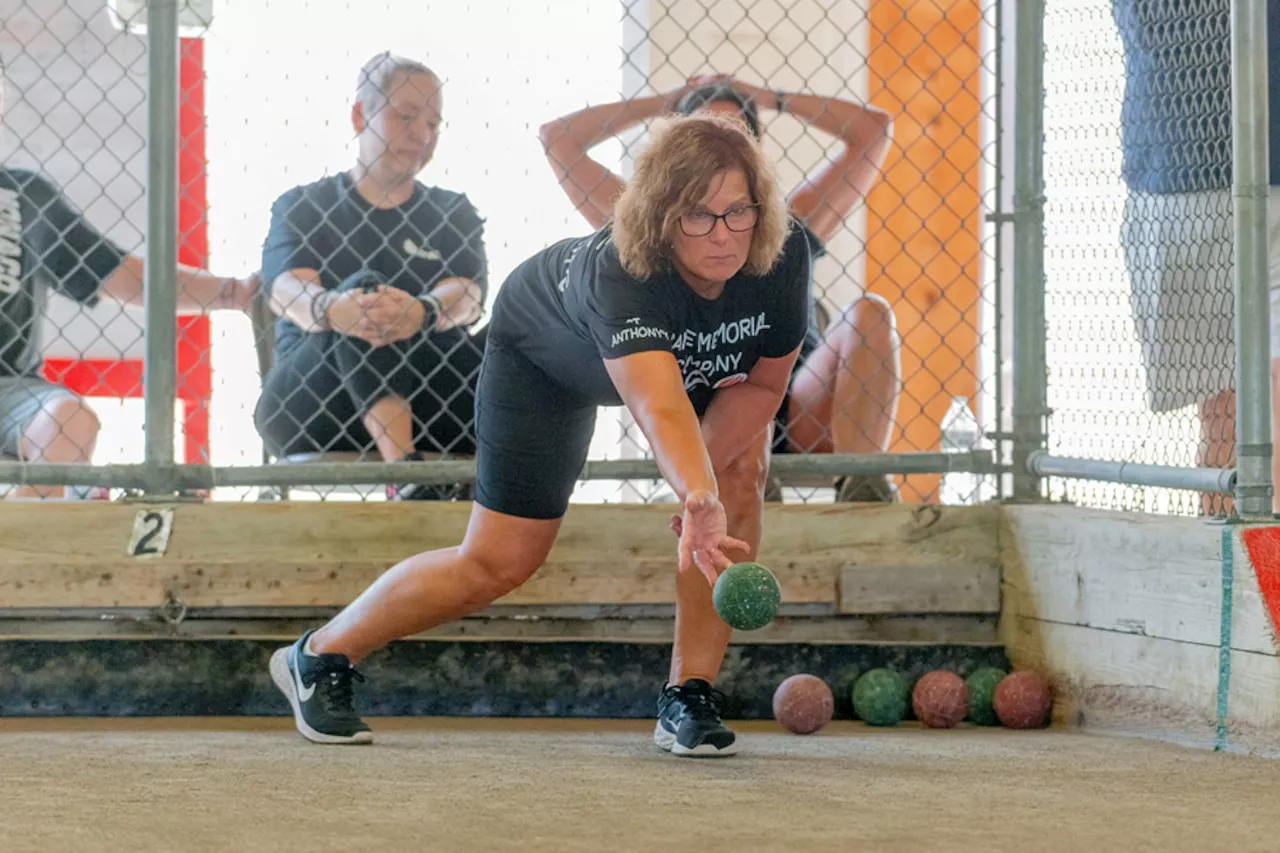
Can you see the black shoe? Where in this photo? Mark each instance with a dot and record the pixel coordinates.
(866, 488)
(418, 492)
(319, 689)
(689, 721)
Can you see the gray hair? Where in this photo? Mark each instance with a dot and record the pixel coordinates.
(372, 89)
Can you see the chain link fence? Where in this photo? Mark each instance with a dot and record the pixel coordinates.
(883, 119)
(74, 122)
(1139, 243)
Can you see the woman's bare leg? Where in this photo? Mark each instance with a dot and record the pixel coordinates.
(498, 554)
(701, 635)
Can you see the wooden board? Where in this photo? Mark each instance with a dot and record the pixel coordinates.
(935, 630)
(1155, 576)
(324, 554)
(871, 589)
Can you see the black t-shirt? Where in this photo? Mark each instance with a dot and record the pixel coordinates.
(328, 226)
(812, 337)
(572, 306)
(44, 243)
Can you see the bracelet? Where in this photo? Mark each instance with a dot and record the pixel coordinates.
(779, 100)
(434, 308)
(320, 310)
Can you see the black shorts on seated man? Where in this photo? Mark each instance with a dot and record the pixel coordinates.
(375, 278)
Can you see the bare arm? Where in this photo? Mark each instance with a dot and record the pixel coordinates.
(292, 295)
(826, 197)
(460, 303)
(298, 296)
(653, 390)
(198, 290)
(741, 412)
(590, 186)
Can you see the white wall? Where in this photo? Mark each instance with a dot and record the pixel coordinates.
(281, 74)
(75, 110)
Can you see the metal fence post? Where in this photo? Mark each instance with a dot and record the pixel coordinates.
(1029, 369)
(160, 369)
(1253, 315)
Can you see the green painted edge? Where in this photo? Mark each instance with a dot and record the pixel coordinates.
(1224, 639)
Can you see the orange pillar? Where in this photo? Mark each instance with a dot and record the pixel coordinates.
(923, 223)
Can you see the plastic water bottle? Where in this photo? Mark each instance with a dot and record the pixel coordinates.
(960, 434)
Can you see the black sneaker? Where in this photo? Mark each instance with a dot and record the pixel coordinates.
(319, 689)
(418, 492)
(866, 488)
(689, 721)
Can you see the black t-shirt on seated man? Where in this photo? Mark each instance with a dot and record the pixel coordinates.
(44, 244)
(572, 306)
(328, 226)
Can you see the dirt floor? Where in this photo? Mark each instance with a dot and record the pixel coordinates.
(565, 786)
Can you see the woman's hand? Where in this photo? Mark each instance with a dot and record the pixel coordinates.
(676, 95)
(703, 532)
(764, 99)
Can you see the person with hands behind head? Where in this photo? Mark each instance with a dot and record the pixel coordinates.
(843, 396)
(376, 279)
(689, 310)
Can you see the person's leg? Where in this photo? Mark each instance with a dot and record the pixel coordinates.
(498, 554)
(1178, 254)
(534, 437)
(42, 422)
(304, 408)
(390, 422)
(441, 387)
(1217, 447)
(410, 393)
(689, 720)
(379, 383)
(440, 383)
(701, 636)
(844, 398)
(366, 373)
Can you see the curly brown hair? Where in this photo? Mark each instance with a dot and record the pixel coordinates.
(671, 177)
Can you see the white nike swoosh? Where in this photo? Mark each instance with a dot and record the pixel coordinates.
(304, 693)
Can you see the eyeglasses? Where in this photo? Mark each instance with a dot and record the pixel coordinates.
(739, 218)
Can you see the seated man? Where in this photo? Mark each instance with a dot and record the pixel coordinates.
(844, 390)
(46, 244)
(376, 278)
